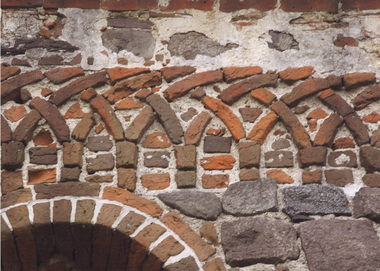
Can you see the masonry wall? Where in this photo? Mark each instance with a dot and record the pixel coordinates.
(190, 135)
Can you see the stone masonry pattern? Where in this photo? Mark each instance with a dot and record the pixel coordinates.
(155, 153)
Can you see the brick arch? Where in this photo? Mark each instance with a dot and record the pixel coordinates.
(92, 233)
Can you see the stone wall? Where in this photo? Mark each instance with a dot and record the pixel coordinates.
(190, 135)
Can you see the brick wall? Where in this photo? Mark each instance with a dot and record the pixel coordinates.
(181, 135)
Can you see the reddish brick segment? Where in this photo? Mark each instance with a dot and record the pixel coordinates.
(231, 5)
(109, 117)
(262, 128)
(6, 132)
(366, 97)
(174, 72)
(226, 115)
(83, 128)
(205, 5)
(17, 196)
(181, 88)
(61, 75)
(336, 102)
(357, 79)
(56, 121)
(309, 5)
(140, 124)
(328, 130)
(76, 189)
(42, 176)
(233, 73)
(231, 94)
(215, 181)
(200, 247)
(300, 136)
(218, 162)
(118, 73)
(358, 129)
(157, 181)
(93, 4)
(196, 128)
(263, 95)
(9, 71)
(128, 5)
(279, 176)
(24, 130)
(361, 5)
(125, 197)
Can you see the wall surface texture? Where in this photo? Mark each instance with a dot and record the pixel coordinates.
(185, 135)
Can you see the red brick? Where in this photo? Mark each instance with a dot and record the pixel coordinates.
(232, 5)
(208, 231)
(290, 75)
(372, 117)
(176, 224)
(10, 181)
(156, 140)
(343, 143)
(140, 124)
(218, 162)
(300, 136)
(61, 75)
(317, 113)
(54, 118)
(82, 129)
(65, 93)
(357, 128)
(205, 5)
(13, 84)
(156, 181)
(233, 93)
(15, 113)
(196, 128)
(17, 196)
(129, 4)
(341, 41)
(6, 132)
(309, 5)
(167, 248)
(226, 115)
(74, 112)
(310, 87)
(72, 154)
(128, 198)
(9, 71)
(126, 178)
(174, 72)
(263, 95)
(75, 189)
(214, 265)
(92, 4)
(9, 255)
(366, 97)
(262, 128)
(311, 176)
(357, 79)
(181, 88)
(358, 4)
(328, 130)
(46, 92)
(279, 176)
(42, 176)
(21, 3)
(118, 73)
(215, 181)
(233, 73)
(88, 94)
(128, 103)
(109, 117)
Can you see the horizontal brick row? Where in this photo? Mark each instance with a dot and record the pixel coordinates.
(207, 5)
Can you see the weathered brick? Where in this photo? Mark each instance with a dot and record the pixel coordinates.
(279, 176)
(317, 113)
(15, 113)
(300, 136)
(372, 179)
(366, 97)
(43, 155)
(357, 79)
(208, 232)
(12, 154)
(126, 178)
(72, 154)
(155, 181)
(311, 176)
(263, 95)
(372, 117)
(179, 4)
(336, 102)
(309, 5)
(17, 196)
(167, 117)
(231, 94)
(278, 159)
(341, 41)
(156, 140)
(69, 174)
(92, 4)
(181, 88)
(6, 132)
(262, 128)
(75, 189)
(249, 174)
(312, 156)
(109, 117)
(9, 71)
(231, 6)
(217, 144)
(218, 162)
(233, 73)
(54, 118)
(342, 159)
(357, 128)
(157, 159)
(249, 154)
(88, 94)
(250, 114)
(328, 130)
(99, 143)
(343, 143)
(167, 248)
(290, 75)
(74, 112)
(200, 247)
(43, 138)
(119, 73)
(215, 181)
(142, 81)
(196, 128)
(187, 263)
(310, 87)
(83, 128)
(214, 265)
(61, 75)
(356, 4)
(226, 115)
(140, 124)
(375, 138)
(185, 157)
(133, 200)
(339, 177)
(185, 179)
(174, 72)
(128, 5)
(126, 154)
(100, 162)
(65, 93)
(25, 128)
(10, 181)
(13, 84)
(369, 158)
(128, 103)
